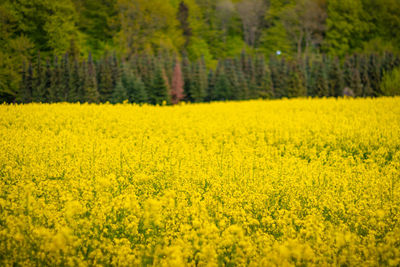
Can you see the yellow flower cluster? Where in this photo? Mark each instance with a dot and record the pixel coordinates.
(304, 182)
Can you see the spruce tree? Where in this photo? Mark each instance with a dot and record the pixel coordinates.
(135, 88)
(120, 94)
(356, 85)
(210, 88)
(187, 78)
(91, 95)
(375, 74)
(54, 92)
(336, 79)
(105, 86)
(243, 89)
(37, 94)
(231, 74)
(116, 71)
(366, 84)
(75, 93)
(222, 89)
(159, 90)
(296, 84)
(47, 83)
(65, 78)
(27, 84)
(321, 80)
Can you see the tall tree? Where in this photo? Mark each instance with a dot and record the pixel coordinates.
(305, 23)
(159, 91)
(252, 14)
(91, 93)
(345, 26)
(183, 17)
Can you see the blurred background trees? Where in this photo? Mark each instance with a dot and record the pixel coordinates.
(199, 34)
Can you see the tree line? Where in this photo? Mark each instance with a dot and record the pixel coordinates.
(170, 78)
(208, 29)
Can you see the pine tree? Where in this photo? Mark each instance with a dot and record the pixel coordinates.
(210, 88)
(159, 90)
(120, 94)
(252, 79)
(336, 79)
(91, 95)
(243, 90)
(348, 71)
(231, 75)
(296, 84)
(26, 84)
(55, 94)
(29, 84)
(47, 83)
(356, 85)
(37, 94)
(367, 90)
(263, 78)
(75, 93)
(375, 74)
(187, 78)
(65, 78)
(135, 88)
(116, 72)
(105, 86)
(222, 89)
(321, 80)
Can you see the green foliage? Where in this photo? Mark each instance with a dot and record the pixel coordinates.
(346, 26)
(135, 87)
(120, 94)
(159, 91)
(209, 35)
(390, 84)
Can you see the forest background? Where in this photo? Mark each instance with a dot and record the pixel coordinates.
(165, 51)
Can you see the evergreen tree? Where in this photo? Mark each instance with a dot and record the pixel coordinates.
(263, 78)
(187, 78)
(281, 79)
(159, 90)
(251, 78)
(375, 74)
(65, 79)
(321, 81)
(231, 75)
(210, 88)
(105, 86)
(135, 88)
(367, 90)
(356, 85)
(27, 84)
(336, 79)
(296, 84)
(47, 80)
(75, 93)
(37, 94)
(120, 94)
(91, 95)
(222, 89)
(55, 82)
(243, 90)
(115, 70)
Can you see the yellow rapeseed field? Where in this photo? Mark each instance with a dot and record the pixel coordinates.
(259, 183)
